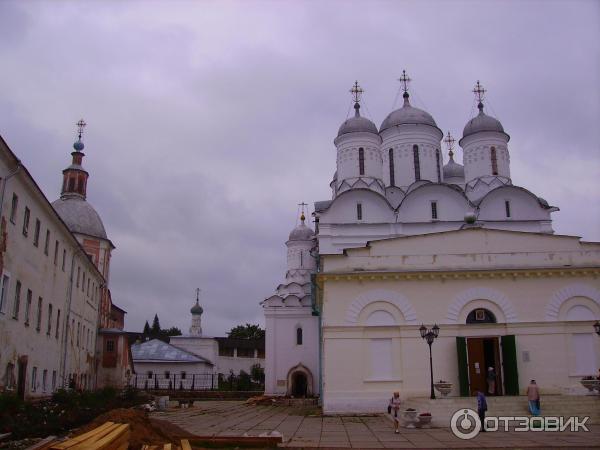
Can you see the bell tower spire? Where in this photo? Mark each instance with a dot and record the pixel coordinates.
(75, 177)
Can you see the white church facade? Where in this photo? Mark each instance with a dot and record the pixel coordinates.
(405, 240)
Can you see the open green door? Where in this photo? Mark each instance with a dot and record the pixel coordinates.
(463, 368)
(509, 363)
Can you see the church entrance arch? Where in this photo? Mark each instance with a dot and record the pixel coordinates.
(299, 382)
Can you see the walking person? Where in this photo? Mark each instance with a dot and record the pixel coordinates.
(491, 381)
(481, 408)
(393, 408)
(533, 397)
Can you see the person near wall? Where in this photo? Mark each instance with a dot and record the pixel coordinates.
(393, 408)
(491, 381)
(533, 396)
(481, 408)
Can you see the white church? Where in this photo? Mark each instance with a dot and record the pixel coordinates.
(407, 240)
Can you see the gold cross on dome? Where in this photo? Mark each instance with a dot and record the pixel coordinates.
(404, 80)
(449, 140)
(479, 91)
(356, 92)
(80, 126)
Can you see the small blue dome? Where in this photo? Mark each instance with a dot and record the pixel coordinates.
(78, 145)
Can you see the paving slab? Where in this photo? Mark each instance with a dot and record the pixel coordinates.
(230, 418)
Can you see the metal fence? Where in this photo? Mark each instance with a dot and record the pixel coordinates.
(175, 381)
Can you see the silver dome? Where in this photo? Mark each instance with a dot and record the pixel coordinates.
(301, 233)
(482, 122)
(407, 115)
(80, 216)
(453, 169)
(357, 123)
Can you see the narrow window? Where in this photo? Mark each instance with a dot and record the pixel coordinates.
(28, 306)
(72, 330)
(36, 233)
(39, 314)
(301, 258)
(358, 211)
(57, 323)
(78, 333)
(392, 179)
(88, 287)
(361, 161)
(437, 160)
(5, 281)
(71, 184)
(83, 283)
(26, 215)
(17, 300)
(33, 379)
(149, 373)
(434, 212)
(47, 242)
(44, 379)
(507, 207)
(167, 374)
(494, 162)
(183, 375)
(53, 380)
(298, 336)
(49, 319)
(13, 208)
(417, 162)
(55, 253)
(64, 259)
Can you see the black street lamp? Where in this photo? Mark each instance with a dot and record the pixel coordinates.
(429, 336)
(597, 327)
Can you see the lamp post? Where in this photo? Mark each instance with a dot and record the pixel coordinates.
(597, 327)
(429, 336)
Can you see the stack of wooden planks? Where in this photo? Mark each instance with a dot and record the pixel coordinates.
(109, 436)
(185, 445)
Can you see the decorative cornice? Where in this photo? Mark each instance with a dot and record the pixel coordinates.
(460, 274)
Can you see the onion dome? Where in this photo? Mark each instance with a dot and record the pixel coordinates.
(482, 122)
(196, 309)
(79, 216)
(302, 232)
(357, 123)
(407, 115)
(453, 169)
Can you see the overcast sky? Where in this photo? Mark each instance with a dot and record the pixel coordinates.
(208, 122)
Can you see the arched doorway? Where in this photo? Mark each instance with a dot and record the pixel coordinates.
(299, 384)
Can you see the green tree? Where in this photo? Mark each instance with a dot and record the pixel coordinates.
(257, 373)
(247, 331)
(146, 331)
(173, 331)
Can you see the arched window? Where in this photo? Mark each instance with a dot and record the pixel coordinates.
(359, 211)
(361, 161)
(71, 184)
(494, 158)
(298, 336)
(301, 258)
(437, 160)
(481, 315)
(417, 162)
(392, 180)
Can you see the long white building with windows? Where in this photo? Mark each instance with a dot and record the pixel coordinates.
(50, 291)
(408, 238)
